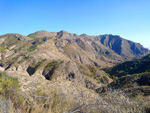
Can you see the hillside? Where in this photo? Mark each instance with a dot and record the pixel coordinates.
(131, 76)
(136, 66)
(63, 55)
(70, 65)
(86, 54)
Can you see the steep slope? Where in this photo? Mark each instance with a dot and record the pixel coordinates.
(40, 57)
(131, 76)
(140, 65)
(112, 44)
(124, 48)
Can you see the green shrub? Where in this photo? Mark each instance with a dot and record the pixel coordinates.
(88, 75)
(52, 64)
(115, 78)
(131, 68)
(8, 85)
(62, 61)
(108, 74)
(148, 70)
(137, 75)
(92, 69)
(31, 48)
(9, 92)
(33, 37)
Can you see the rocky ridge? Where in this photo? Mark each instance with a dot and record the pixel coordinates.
(65, 56)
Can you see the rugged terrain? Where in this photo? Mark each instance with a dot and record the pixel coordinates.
(132, 76)
(61, 55)
(72, 65)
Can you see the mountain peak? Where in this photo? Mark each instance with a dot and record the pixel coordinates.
(62, 31)
(83, 34)
(42, 33)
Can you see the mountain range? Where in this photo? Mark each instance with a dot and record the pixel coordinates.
(92, 62)
(35, 52)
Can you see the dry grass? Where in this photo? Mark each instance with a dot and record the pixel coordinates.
(69, 97)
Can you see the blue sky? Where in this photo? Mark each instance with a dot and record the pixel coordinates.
(128, 18)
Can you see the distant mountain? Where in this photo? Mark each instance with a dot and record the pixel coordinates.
(113, 43)
(122, 46)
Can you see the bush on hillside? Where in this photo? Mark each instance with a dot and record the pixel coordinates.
(8, 85)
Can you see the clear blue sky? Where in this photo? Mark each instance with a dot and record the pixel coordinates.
(128, 18)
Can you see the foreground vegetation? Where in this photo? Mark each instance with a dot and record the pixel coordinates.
(58, 99)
